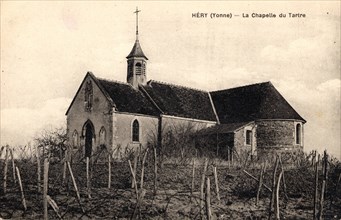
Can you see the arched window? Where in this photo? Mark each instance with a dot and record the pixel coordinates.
(298, 134)
(136, 131)
(138, 68)
(102, 135)
(248, 137)
(75, 140)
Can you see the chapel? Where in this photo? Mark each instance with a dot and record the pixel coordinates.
(125, 116)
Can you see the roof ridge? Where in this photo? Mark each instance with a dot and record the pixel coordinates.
(111, 80)
(171, 84)
(238, 87)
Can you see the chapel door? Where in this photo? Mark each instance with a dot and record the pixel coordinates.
(89, 133)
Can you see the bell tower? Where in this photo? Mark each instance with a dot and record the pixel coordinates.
(137, 61)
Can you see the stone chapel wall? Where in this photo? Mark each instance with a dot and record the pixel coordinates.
(99, 115)
(277, 135)
(122, 132)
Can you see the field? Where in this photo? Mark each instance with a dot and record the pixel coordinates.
(174, 198)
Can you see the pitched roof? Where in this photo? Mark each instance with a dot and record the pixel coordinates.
(234, 107)
(223, 128)
(252, 102)
(122, 96)
(137, 51)
(128, 99)
(181, 101)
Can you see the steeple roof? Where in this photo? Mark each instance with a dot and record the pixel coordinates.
(137, 51)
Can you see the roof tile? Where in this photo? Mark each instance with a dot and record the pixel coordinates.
(128, 99)
(181, 101)
(252, 102)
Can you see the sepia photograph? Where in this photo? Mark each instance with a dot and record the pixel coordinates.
(170, 110)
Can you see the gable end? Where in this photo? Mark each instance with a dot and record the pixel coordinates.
(92, 76)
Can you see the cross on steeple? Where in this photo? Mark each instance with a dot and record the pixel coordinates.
(137, 61)
(137, 22)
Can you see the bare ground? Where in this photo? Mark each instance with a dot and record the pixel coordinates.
(173, 199)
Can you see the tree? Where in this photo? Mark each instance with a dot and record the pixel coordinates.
(52, 141)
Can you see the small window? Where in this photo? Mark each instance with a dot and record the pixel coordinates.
(298, 134)
(136, 131)
(102, 135)
(138, 69)
(248, 137)
(75, 139)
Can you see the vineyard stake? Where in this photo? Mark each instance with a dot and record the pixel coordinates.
(313, 158)
(13, 166)
(65, 166)
(155, 172)
(54, 205)
(283, 179)
(134, 180)
(38, 169)
(316, 187)
(324, 182)
(136, 190)
(266, 187)
(260, 184)
(21, 189)
(134, 169)
(75, 186)
(208, 199)
(193, 174)
(216, 183)
(88, 184)
(109, 171)
(142, 169)
(277, 195)
(202, 187)
(273, 187)
(142, 192)
(5, 170)
(45, 187)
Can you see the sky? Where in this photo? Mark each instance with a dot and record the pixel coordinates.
(48, 47)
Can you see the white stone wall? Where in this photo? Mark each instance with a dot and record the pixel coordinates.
(100, 115)
(122, 131)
